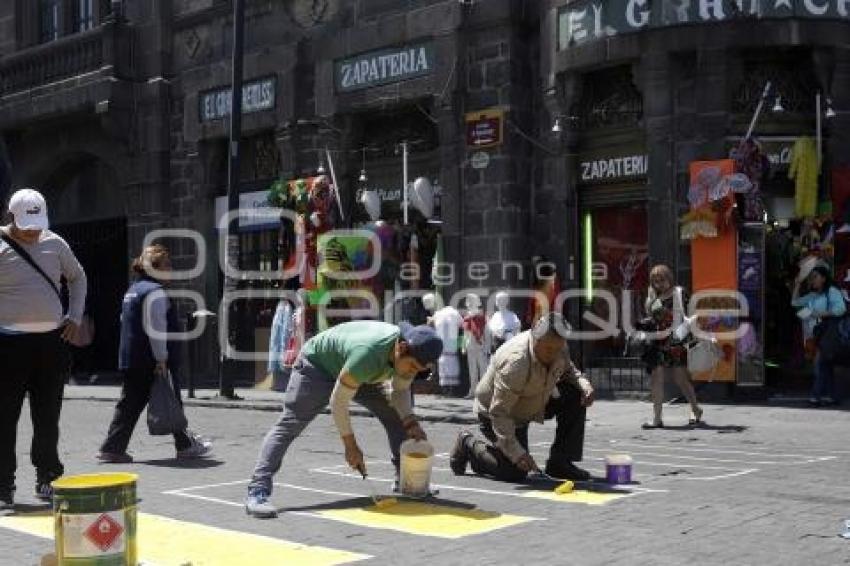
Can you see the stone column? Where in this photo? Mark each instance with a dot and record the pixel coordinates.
(838, 143)
(655, 83)
(453, 213)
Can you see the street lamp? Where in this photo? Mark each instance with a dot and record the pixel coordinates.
(556, 127)
(225, 377)
(830, 112)
(563, 123)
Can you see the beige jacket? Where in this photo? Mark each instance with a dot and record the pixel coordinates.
(516, 388)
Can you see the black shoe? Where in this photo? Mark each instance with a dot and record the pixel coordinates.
(459, 456)
(7, 499)
(566, 471)
(44, 491)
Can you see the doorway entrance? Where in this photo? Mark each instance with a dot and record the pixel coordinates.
(101, 248)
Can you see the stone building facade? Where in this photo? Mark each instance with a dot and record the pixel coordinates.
(123, 121)
(117, 110)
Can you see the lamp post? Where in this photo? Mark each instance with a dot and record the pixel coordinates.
(232, 242)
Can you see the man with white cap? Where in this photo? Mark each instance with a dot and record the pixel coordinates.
(32, 330)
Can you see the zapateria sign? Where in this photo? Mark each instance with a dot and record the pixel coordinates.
(383, 67)
(614, 168)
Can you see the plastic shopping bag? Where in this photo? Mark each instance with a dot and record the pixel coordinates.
(165, 413)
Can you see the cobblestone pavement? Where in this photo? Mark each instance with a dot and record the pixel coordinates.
(759, 485)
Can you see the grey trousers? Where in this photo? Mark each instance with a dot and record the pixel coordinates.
(308, 394)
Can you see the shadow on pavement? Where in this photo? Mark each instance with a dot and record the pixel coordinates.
(360, 502)
(595, 485)
(720, 429)
(39, 509)
(199, 464)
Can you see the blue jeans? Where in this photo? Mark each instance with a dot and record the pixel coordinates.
(824, 385)
(307, 395)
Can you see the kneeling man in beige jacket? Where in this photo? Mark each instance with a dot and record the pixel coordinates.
(530, 379)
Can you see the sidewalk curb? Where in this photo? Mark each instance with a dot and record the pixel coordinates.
(275, 407)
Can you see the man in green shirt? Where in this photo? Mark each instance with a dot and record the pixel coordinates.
(351, 361)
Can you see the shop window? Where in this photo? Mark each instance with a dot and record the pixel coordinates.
(82, 15)
(615, 260)
(49, 12)
(792, 78)
(260, 251)
(610, 98)
(260, 158)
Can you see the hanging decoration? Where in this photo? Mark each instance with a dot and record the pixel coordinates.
(752, 166)
(312, 199)
(805, 169)
(712, 199)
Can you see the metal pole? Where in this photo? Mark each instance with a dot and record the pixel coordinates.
(819, 121)
(759, 108)
(406, 178)
(232, 250)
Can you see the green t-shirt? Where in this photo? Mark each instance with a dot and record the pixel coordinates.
(362, 348)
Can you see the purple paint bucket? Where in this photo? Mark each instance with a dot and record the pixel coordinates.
(618, 469)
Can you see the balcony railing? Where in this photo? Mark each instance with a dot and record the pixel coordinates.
(109, 45)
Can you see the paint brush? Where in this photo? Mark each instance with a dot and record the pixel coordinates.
(380, 503)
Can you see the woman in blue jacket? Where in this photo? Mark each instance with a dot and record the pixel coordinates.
(822, 302)
(145, 355)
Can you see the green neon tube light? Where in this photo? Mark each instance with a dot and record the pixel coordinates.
(588, 256)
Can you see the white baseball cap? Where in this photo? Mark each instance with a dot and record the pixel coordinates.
(29, 209)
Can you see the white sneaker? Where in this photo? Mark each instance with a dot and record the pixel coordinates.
(257, 505)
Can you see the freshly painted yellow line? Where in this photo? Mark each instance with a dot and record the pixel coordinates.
(577, 496)
(167, 542)
(426, 519)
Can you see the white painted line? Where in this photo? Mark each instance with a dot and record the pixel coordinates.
(718, 460)
(209, 486)
(625, 489)
(723, 476)
(707, 448)
(676, 465)
(324, 491)
(204, 498)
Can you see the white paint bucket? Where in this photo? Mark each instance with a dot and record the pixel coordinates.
(417, 459)
(618, 469)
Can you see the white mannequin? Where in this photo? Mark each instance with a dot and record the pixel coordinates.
(371, 201)
(422, 197)
(429, 301)
(447, 322)
(504, 324)
(475, 342)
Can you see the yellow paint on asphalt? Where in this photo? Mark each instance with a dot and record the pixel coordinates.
(577, 496)
(426, 519)
(167, 542)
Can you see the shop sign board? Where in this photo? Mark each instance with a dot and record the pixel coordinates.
(480, 160)
(251, 218)
(585, 21)
(256, 96)
(608, 169)
(383, 67)
(485, 128)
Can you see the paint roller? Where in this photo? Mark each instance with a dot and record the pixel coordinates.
(564, 488)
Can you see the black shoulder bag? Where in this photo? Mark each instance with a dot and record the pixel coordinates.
(28, 258)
